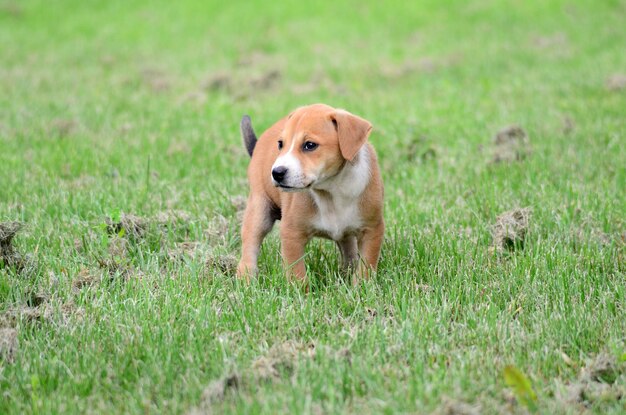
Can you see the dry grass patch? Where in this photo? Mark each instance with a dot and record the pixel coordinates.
(596, 382)
(86, 278)
(616, 82)
(63, 127)
(457, 407)
(10, 258)
(156, 80)
(510, 229)
(510, 144)
(8, 344)
(281, 360)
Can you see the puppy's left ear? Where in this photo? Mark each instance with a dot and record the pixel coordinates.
(352, 132)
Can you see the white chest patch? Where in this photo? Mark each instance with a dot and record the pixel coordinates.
(338, 206)
(337, 218)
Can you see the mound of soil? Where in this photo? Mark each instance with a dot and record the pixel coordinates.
(510, 144)
(510, 229)
(9, 257)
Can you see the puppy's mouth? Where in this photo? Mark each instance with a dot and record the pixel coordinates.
(285, 188)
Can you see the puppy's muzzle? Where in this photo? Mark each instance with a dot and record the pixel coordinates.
(279, 173)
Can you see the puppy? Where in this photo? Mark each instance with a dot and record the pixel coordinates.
(315, 172)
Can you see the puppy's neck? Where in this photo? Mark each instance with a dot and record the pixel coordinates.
(351, 181)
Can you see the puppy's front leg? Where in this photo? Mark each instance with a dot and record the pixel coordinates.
(257, 222)
(369, 248)
(293, 244)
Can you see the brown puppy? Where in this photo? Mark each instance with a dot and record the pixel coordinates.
(315, 171)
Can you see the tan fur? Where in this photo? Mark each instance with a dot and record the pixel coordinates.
(340, 198)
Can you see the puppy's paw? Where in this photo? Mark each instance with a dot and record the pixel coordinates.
(246, 271)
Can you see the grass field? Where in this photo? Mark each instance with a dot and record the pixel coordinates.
(120, 154)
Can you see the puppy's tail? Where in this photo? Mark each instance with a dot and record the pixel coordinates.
(247, 132)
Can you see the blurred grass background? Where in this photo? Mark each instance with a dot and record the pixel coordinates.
(133, 107)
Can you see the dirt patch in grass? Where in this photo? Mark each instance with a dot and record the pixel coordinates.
(217, 230)
(11, 9)
(225, 263)
(193, 97)
(11, 317)
(218, 389)
(589, 232)
(239, 203)
(187, 249)
(211, 256)
(83, 181)
(456, 407)
(60, 313)
(552, 46)
(69, 309)
(557, 40)
(155, 79)
(594, 236)
(254, 58)
(407, 68)
(126, 128)
(8, 230)
(596, 382)
(423, 65)
(131, 231)
(423, 288)
(603, 368)
(420, 149)
(240, 84)
(10, 258)
(250, 85)
(319, 80)
(616, 82)
(510, 144)
(131, 226)
(568, 125)
(510, 230)
(281, 360)
(116, 262)
(386, 316)
(278, 363)
(177, 147)
(86, 278)
(220, 81)
(117, 268)
(8, 255)
(62, 127)
(107, 61)
(128, 224)
(36, 298)
(8, 344)
(172, 217)
(266, 80)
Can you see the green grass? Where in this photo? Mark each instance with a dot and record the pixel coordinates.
(104, 108)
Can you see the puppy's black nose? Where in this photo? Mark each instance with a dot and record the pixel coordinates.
(278, 173)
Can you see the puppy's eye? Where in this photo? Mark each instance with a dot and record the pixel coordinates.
(280, 144)
(309, 146)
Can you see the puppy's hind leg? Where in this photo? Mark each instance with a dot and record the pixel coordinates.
(258, 220)
(349, 252)
(369, 247)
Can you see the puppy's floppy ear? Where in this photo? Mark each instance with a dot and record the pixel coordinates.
(352, 132)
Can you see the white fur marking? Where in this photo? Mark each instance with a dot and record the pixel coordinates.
(339, 214)
(294, 177)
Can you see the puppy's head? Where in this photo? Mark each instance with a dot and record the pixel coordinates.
(314, 145)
